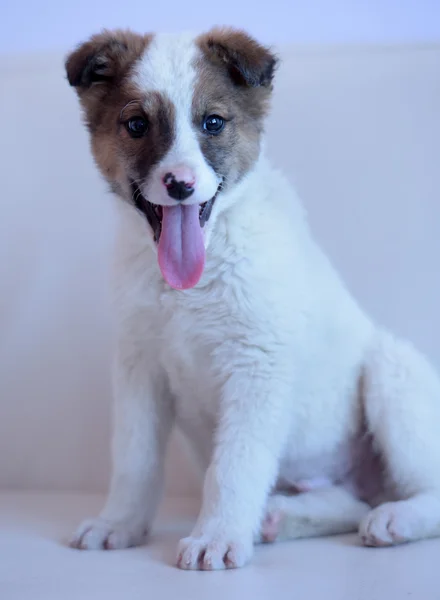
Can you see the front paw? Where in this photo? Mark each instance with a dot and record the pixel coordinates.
(213, 552)
(103, 534)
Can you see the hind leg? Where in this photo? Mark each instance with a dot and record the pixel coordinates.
(402, 410)
(402, 521)
(326, 511)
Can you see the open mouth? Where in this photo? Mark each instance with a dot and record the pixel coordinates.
(154, 212)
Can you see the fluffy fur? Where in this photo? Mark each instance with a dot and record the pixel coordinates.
(308, 418)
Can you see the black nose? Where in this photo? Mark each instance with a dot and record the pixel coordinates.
(178, 190)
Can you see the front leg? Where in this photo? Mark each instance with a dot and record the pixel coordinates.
(143, 416)
(253, 425)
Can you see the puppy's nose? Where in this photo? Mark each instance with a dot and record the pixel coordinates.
(179, 183)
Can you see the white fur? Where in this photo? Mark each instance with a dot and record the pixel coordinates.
(168, 68)
(260, 365)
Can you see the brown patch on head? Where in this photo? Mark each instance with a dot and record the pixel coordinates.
(105, 57)
(101, 70)
(247, 62)
(235, 82)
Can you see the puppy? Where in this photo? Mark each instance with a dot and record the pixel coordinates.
(308, 418)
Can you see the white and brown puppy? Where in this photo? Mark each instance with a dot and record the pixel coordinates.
(308, 418)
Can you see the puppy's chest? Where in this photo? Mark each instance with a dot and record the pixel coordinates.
(191, 331)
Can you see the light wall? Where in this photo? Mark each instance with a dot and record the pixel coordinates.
(357, 131)
(50, 24)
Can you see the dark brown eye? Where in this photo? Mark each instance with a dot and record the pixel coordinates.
(213, 124)
(137, 126)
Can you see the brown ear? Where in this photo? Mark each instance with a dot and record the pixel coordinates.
(247, 61)
(106, 56)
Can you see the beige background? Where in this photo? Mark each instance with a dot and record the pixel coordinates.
(358, 131)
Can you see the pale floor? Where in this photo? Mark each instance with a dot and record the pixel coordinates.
(35, 563)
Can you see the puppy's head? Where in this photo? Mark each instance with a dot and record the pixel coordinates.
(175, 122)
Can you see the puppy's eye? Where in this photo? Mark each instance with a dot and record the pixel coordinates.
(136, 126)
(213, 124)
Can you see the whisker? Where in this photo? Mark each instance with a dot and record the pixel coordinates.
(127, 105)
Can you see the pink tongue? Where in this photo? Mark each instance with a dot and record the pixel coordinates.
(181, 247)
